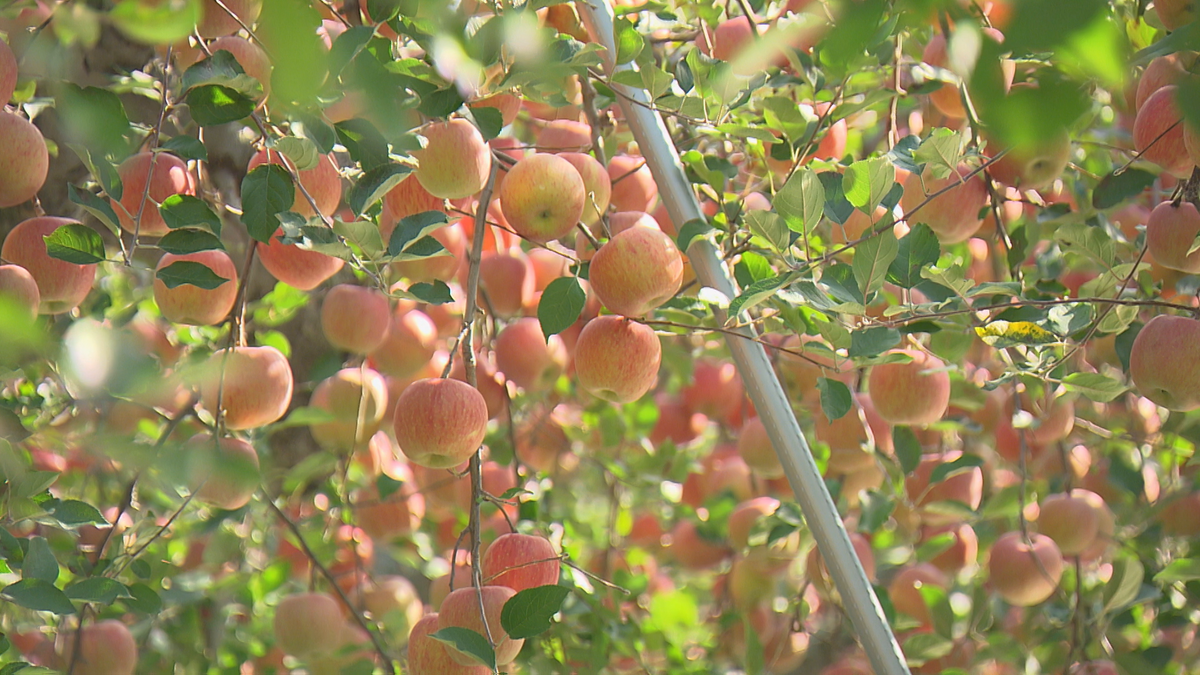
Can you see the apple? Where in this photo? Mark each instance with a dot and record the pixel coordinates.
(440, 423)
(455, 162)
(461, 609)
(520, 562)
(617, 223)
(633, 186)
(399, 515)
(952, 215)
(253, 60)
(61, 285)
(167, 174)
(564, 136)
(964, 486)
(947, 99)
(716, 389)
(1170, 69)
(905, 590)
(192, 305)
(1158, 133)
(508, 103)
(437, 267)
(18, 287)
(916, 393)
(105, 648)
(8, 73)
(1070, 521)
(1175, 13)
(25, 161)
(547, 266)
(322, 182)
(408, 198)
(394, 602)
(636, 271)
(692, 550)
(1170, 232)
(963, 550)
(1032, 165)
(255, 390)
(743, 518)
(617, 359)
(543, 197)
(847, 436)
(355, 318)
(676, 422)
(756, 449)
(506, 282)
(427, 656)
(309, 624)
(597, 186)
(1180, 516)
(527, 358)
(217, 21)
(818, 571)
(1025, 573)
(1164, 362)
(224, 474)
(357, 398)
(411, 342)
(487, 379)
(730, 38)
(297, 267)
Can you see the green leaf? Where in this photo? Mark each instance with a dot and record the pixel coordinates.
(468, 642)
(1092, 242)
(435, 293)
(363, 141)
(1184, 569)
(908, 448)
(943, 471)
(1126, 582)
(40, 562)
(1001, 334)
(917, 249)
(179, 211)
(365, 235)
(346, 46)
(629, 41)
(301, 151)
(188, 240)
(690, 231)
(316, 130)
(187, 147)
(941, 152)
(268, 190)
(97, 206)
(872, 260)
(413, 228)
(489, 120)
(75, 243)
(561, 304)
(190, 272)
(758, 292)
(158, 23)
(872, 341)
(96, 117)
(374, 184)
(38, 595)
(144, 599)
(837, 207)
(97, 589)
(1115, 188)
(528, 613)
(1041, 25)
(213, 104)
(73, 513)
(836, 399)
(1096, 386)
(224, 69)
(769, 226)
(923, 647)
(801, 201)
(867, 182)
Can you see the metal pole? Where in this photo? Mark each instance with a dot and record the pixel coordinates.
(768, 396)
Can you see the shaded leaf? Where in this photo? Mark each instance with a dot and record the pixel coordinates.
(872, 341)
(1096, 386)
(374, 184)
(75, 243)
(917, 249)
(528, 613)
(560, 306)
(268, 190)
(38, 595)
(190, 272)
(468, 642)
(97, 206)
(39, 561)
(186, 147)
(97, 589)
(908, 448)
(1114, 188)
(188, 240)
(836, 399)
(213, 104)
(180, 211)
(872, 260)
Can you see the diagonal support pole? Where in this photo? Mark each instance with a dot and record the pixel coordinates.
(765, 391)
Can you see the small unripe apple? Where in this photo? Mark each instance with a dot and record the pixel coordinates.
(223, 474)
(1164, 362)
(543, 197)
(355, 318)
(193, 305)
(61, 285)
(636, 271)
(18, 287)
(1171, 231)
(461, 609)
(254, 391)
(917, 392)
(309, 624)
(25, 161)
(440, 423)
(105, 648)
(617, 359)
(455, 161)
(1025, 573)
(520, 562)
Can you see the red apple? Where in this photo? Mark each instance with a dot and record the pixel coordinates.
(309, 624)
(322, 182)
(1158, 133)
(636, 271)
(520, 562)
(617, 359)
(506, 281)
(8, 73)
(455, 162)
(255, 390)
(564, 136)
(1070, 521)
(223, 474)
(917, 392)
(905, 592)
(460, 609)
(527, 358)
(297, 267)
(633, 186)
(1164, 362)
(61, 285)
(692, 550)
(597, 186)
(543, 197)
(193, 305)
(756, 449)
(427, 656)
(24, 162)
(440, 423)
(18, 287)
(355, 318)
(1025, 573)
(1175, 13)
(217, 21)
(411, 342)
(952, 215)
(1170, 233)
(105, 648)
(357, 398)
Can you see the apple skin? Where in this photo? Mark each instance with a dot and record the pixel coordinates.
(218, 23)
(1179, 517)
(106, 648)
(908, 393)
(597, 186)
(297, 267)
(411, 342)
(633, 186)
(355, 318)
(507, 103)
(408, 198)
(527, 358)
(947, 99)
(507, 562)
(1164, 362)
(224, 475)
(1161, 72)
(1175, 13)
(455, 162)
(61, 285)
(427, 656)
(905, 593)
(322, 182)
(440, 423)
(347, 394)
(192, 305)
(953, 215)
(8, 73)
(309, 624)
(398, 515)
(617, 359)
(253, 60)
(1155, 118)
(1070, 521)
(18, 287)
(461, 609)
(847, 435)
(694, 552)
(745, 515)
(257, 386)
(756, 449)
(962, 552)
(543, 197)
(24, 162)
(1032, 166)
(636, 271)
(170, 177)
(565, 136)
(507, 281)
(1025, 574)
(818, 571)
(1170, 231)
(965, 486)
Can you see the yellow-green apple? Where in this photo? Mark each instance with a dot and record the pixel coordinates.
(461, 609)
(692, 550)
(408, 198)
(411, 342)
(1158, 133)
(1164, 362)
(952, 215)
(297, 267)
(18, 288)
(309, 624)
(1170, 232)
(520, 562)
(756, 449)
(964, 486)
(633, 186)
(24, 162)
(193, 305)
(253, 60)
(1175, 13)
(355, 318)
(962, 550)
(1025, 573)
(8, 73)
(597, 186)
(527, 358)
(905, 590)
(916, 392)
(61, 285)
(356, 398)
(105, 648)
(322, 182)
(455, 161)
(543, 197)
(253, 386)
(636, 271)
(427, 656)
(506, 281)
(1164, 71)
(220, 20)
(1032, 165)
(223, 474)
(1070, 521)
(617, 359)
(440, 423)
(564, 136)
